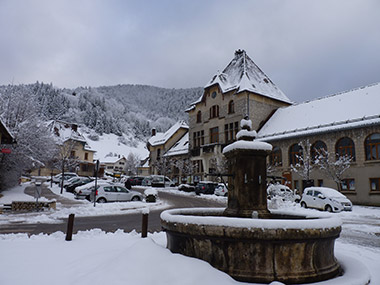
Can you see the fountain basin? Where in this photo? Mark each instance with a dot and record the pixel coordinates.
(286, 248)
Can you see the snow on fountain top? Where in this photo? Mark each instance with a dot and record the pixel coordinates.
(246, 139)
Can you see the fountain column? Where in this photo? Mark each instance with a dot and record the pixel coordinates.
(247, 194)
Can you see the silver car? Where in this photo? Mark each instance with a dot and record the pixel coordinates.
(115, 193)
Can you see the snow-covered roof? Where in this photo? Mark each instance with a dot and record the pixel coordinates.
(162, 138)
(179, 148)
(111, 159)
(65, 131)
(242, 74)
(355, 108)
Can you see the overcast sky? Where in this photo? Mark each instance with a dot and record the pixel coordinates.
(308, 48)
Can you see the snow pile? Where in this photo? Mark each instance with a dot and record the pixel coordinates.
(95, 257)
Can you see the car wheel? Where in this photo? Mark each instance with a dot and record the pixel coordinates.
(102, 200)
(303, 205)
(136, 198)
(328, 208)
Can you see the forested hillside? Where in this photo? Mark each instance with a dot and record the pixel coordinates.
(133, 109)
(129, 111)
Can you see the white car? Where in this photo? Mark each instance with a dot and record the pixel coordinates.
(82, 192)
(221, 190)
(115, 193)
(326, 199)
(158, 181)
(282, 191)
(67, 175)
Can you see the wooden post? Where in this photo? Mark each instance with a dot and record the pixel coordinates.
(144, 227)
(70, 225)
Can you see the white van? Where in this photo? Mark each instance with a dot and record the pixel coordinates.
(326, 199)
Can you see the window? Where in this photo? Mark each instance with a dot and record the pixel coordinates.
(86, 156)
(158, 154)
(320, 182)
(230, 131)
(199, 117)
(214, 135)
(294, 152)
(85, 167)
(198, 139)
(316, 149)
(198, 166)
(214, 111)
(275, 157)
(375, 184)
(348, 184)
(231, 107)
(72, 154)
(345, 146)
(372, 147)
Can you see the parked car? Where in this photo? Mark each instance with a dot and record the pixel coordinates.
(205, 187)
(136, 180)
(161, 181)
(221, 190)
(77, 182)
(326, 199)
(115, 193)
(67, 175)
(147, 181)
(282, 191)
(186, 187)
(83, 191)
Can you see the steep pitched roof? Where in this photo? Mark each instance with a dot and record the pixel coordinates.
(112, 159)
(179, 148)
(242, 74)
(63, 132)
(355, 108)
(162, 138)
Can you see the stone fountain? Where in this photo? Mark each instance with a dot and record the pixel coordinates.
(246, 240)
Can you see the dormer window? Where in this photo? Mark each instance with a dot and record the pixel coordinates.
(231, 107)
(199, 117)
(214, 112)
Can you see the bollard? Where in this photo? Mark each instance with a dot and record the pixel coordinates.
(144, 227)
(70, 225)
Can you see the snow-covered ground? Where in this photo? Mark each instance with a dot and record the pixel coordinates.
(96, 257)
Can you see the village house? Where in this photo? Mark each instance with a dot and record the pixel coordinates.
(347, 123)
(114, 164)
(241, 89)
(71, 146)
(159, 143)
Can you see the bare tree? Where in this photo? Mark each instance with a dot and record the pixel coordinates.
(333, 166)
(34, 142)
(186, 166)
(65, 158)
(132, 163)
(304, 165)
(163, 166)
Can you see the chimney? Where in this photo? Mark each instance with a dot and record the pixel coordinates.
(74, 127)
(153, 132)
